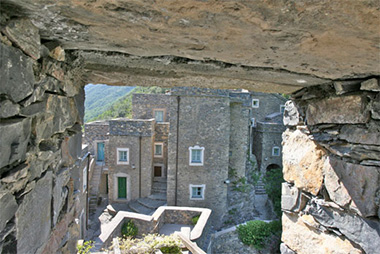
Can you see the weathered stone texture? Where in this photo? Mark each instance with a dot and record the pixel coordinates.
(348, 204)
(25, 35)
(14, 135)
(303, 161)
(8, 208)
(8, 108)
(16, 71)
(370, 85)
(35, 213)
(329, 110)
(313, 241)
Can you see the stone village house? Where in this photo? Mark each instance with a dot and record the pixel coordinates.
(181, 145)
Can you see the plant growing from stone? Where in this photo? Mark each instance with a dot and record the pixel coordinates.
(129, 229)
(195, 219)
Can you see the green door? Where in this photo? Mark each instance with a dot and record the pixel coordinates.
(122, 187)
(100, 152)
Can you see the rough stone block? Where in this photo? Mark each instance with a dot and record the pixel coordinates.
(291, 114)
(60, 192)
(340, 110)
(359, 135)
(292, 198)
(361, 231)
(8, 109)
(343, 87)
(301, 238)
(370, 85)
(375, 108)
(33, 218)
(16, 72)
(14, 136)
(285, 249)
(8, 208)
(303, 161)
(58, 54)
(356, 181)
(16, 179)
(25, 35)
(61, 113)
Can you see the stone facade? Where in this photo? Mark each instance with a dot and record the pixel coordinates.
(96, 132)
(137, 136)
(41, 112)
(267, 129)
(331, 163)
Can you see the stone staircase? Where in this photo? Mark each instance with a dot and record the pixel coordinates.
(94, 187)
(149, 204)
(260, 188)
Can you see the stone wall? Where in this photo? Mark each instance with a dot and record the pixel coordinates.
(331, 164)
(161, 136)
(143, 105)
(265, 136)
(41, 111)
(268, 103)
(204, 120)
(94, 132)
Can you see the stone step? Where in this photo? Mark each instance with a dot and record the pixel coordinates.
(158, 196)
(151, 203)
(139, 208)
(158, 191)
(161, 185)
(160, 180)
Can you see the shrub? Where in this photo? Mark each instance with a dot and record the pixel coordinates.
(195, 219)
(256, 232)
(272, 182)
(150, 244)
(85, 247)
(129, 229)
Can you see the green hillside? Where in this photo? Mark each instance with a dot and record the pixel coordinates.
(100, 97)
(122, 107)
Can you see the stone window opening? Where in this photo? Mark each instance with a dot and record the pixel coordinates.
(158, 150)
(197, 191)
(276, 151)
(255, 103)
(122, 155)
(196, 155)
(159, 115)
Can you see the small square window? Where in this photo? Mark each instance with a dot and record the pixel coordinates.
(122, 155)
(196, 156)
(197, 192)
(159, 115)
(158, 149)
(255, 103)
(276, 151)
(282, 109)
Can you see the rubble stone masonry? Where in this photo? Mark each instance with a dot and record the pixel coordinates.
(331, 164)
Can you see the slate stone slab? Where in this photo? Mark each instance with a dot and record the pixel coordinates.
(8, 208)
(25, 35)
(16, 72)
(33, 218)
(14, 136)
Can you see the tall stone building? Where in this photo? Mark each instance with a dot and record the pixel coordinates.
(185, 143)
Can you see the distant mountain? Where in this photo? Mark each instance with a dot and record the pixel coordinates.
(121, 107)
(100, 97)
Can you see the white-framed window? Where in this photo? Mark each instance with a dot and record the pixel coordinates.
(196, 155)
(282, 109)
(158, 149)
(255, 103)
(84, 179)
(253, 122)
(197, 192)
(159, 115)
(276, 151)
(122, 155)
